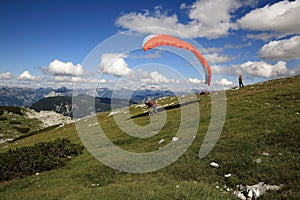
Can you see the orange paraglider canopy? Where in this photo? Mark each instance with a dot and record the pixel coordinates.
(155, 40)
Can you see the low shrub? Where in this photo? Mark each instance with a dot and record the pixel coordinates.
(35, 132)
(13, 109)
(41, 157)
(23, 129)
(3, 118)
(15, 122)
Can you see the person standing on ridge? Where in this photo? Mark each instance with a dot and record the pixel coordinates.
(241, 81)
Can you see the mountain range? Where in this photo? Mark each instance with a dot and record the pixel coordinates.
(60, 100)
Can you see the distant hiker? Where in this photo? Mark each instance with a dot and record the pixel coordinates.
(241, 81)
(151, 105)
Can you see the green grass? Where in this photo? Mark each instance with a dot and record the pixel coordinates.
(260, 118)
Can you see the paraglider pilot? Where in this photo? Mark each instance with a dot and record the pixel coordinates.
(151, 105)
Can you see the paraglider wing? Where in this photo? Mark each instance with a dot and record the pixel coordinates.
(153, 41)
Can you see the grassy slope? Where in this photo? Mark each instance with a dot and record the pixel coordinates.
(260, 118)
(10, 123)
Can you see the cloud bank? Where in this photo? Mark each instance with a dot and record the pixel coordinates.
(6, 75)
(210, 19)
(279, 17)
(281, 49)
(259, 69)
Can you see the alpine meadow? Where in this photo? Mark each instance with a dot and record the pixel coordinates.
(260, 142)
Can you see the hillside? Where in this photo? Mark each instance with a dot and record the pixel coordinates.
(260, 141)
(18, 122)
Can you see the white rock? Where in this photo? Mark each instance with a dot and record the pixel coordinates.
(49, 118)
(174, 139)
(254, 191)
(265, 154)
(214, 164)
(154, 132)
(113, 113)
(161, 141)
(258, 160)
(227, 175)
(239, 195)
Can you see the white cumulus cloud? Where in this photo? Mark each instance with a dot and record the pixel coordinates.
(219, 58)
(264, 36)
(78, 80)
(27, 76)
(213, 49)
(68, 79)
(159, 78)
(195, 81)
(259, 69)
(210, 19)
(152, 77)
(114, 64)
(6, 75)
(281, 49)
(281, 17)
(102, 81)
(60, 68)
(224, 82)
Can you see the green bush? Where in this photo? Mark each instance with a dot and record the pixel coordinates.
(35, 132)
(23, 129)
(43, 156)
(15, 122)
(3, 118)
(13, 109)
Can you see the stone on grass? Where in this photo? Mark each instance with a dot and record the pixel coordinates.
(265, 154)
(254, 191)
(227, 175)
(161, 141)
(257, 160)
(214, 164)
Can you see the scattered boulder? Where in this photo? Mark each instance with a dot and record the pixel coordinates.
(254, 191)
(48, 118)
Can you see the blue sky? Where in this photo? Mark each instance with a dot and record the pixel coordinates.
(49, 43)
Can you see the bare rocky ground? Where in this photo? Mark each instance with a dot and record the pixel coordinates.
(48, 118)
